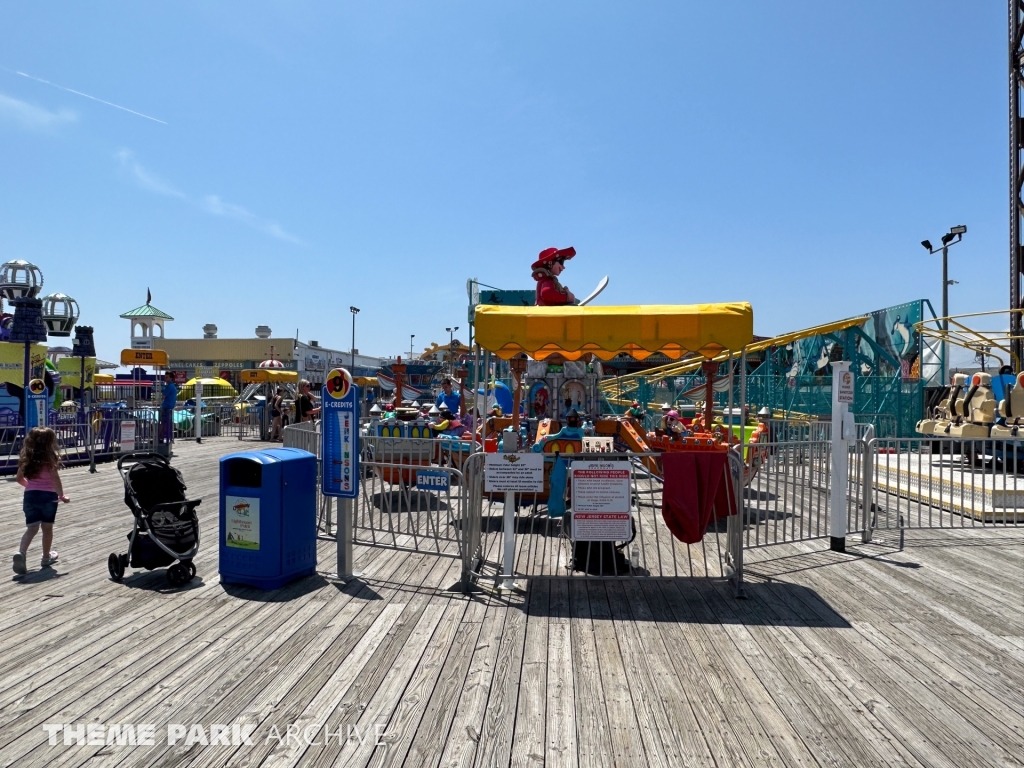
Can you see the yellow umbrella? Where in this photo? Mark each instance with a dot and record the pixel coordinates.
(211, 388)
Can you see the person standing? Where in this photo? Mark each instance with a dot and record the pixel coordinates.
(448, 396)
(305, 410)
(38, 467)
(170, 398)
(276, 406)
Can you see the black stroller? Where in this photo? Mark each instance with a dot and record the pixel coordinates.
(166, 525)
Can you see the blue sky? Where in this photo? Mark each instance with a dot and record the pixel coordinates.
(318, 155)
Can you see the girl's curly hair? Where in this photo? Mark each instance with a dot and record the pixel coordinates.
(38, 452)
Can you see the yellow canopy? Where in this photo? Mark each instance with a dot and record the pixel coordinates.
(211, 388)
(639, 331)
(103, 378)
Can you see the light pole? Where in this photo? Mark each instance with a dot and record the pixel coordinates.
(451, 352)
(354, 311)
(954, 236)
(411, 337)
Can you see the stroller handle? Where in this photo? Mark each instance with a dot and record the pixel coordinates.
(131, 458)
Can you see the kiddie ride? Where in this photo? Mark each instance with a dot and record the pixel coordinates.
(398, 433)
(565, 345)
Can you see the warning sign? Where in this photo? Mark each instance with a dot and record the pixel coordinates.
(845, 387)
(601, 501)
(518, 472)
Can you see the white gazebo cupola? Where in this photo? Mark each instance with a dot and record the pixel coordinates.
(147, 325)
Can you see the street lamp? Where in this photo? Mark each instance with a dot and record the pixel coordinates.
(451, 352)
(411, 337)
(354, 311)
(27, 327)
(954, 236)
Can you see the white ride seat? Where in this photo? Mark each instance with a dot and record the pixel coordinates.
(944, 417)
(978, 409)
(1011, 408)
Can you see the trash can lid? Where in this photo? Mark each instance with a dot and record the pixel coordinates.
(269, 455)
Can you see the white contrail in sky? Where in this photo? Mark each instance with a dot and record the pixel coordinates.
(86, 95)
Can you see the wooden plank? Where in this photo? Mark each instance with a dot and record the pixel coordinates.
(409, 711)
(560, 731)
(627, 743)
(593, 732)
(733, 698)
(429, 741)
(262, 693)
(464, 735)
(815, 713)
(656, 729)
(372, 694)
(495, 747)
(916, 705)
(529, 734)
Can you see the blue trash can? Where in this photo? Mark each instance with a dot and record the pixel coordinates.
(267, 517)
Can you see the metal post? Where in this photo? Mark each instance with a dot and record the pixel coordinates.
(199, 410)
(738, 548)
(508, 526)
(867, 483)
(92, 440)
(353, 365)
(344, 539)
(1016, 64)
(839, 464)
(24, 392)
(945, 310)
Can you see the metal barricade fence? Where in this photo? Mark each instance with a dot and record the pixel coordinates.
(544, 549)
(944, 483)
(412, 495)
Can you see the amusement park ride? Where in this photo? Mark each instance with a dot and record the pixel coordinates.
(555, 353)
(24, 358)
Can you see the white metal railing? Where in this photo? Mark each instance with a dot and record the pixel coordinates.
(945, 483)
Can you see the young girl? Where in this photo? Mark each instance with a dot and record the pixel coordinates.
(37, 471)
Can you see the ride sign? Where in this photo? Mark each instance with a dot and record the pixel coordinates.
(37, 408)
(339, 428)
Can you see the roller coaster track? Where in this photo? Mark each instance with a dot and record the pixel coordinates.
(619, 388)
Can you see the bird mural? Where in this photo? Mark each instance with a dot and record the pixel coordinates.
(823, 355)
(798, 361)
(902, 332)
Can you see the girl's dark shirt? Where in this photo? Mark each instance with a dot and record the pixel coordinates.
(303, 406)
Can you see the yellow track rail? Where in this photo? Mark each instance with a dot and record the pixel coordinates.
(623, 384)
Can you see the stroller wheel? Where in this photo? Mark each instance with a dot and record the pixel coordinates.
(177, 575)
(115, 567)
(191, 570)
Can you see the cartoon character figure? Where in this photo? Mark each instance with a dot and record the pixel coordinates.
(540, 401)
(674, 428)
(636, 411)
(546, 269)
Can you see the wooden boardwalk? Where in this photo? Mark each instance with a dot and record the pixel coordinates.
(875, 657)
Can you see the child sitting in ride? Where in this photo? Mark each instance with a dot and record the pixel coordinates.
(446, 423)
(571, 431)
(674, 429)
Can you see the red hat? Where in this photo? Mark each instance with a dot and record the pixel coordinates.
(549, 255)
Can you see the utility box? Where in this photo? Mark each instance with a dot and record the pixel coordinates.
(267, 517)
